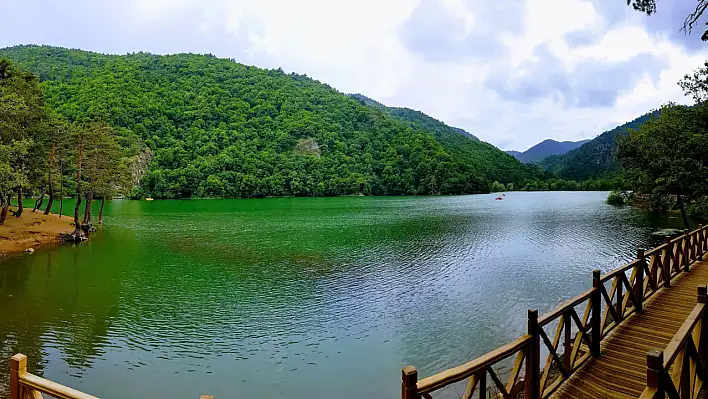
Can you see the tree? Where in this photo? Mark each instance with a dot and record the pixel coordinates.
(649, 7)
(22, 115)
(669, 155)
(58, 137)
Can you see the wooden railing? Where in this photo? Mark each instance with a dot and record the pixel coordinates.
(580, 324)
(679, 371)
(24, 385)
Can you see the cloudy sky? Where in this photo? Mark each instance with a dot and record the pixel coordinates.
(512, 72)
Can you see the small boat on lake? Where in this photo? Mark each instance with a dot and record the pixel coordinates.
(148, 199)
(499, 198)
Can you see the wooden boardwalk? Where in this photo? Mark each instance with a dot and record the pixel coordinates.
(621, 369)
(641, 331)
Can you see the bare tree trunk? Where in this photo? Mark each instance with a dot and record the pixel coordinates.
(679, 202)
(39, 201)
(51, 185)
(61, 188)
(20, 206)
(5, 203)
(100, 213)
(87, 208)
(48, 209)
(77, 222)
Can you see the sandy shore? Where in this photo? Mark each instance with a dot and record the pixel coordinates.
(32, 230)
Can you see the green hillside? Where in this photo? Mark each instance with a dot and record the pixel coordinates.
(594, 159)
(220, 128)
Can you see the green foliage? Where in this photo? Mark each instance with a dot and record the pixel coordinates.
(596, 158)
(497, 187)
(553, 184)
(698, 209)
(616, 198)
(669, 155)
(222, 129)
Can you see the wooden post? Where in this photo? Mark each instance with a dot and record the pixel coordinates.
(686, 243)
(596, 313)
(482, 384)
(410, 381)
(620, 299)
(567, 341)
(655, 372)
(703, 338)
(18, 367)
(533, 373)
(668, 259)
(700, 242)
(639, 282)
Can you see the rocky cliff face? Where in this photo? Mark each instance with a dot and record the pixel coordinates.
(139, 165)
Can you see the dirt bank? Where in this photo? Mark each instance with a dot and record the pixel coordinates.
(32, 230)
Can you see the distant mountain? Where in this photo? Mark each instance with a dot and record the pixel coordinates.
(595, 158)
(514, 154)
(413, 117)
(545, 149)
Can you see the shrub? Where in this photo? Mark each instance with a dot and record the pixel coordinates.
(615, 198)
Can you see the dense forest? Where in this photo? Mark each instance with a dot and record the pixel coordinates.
(212, 127)
(595, 159)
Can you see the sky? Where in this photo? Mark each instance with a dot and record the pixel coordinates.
(511, 72)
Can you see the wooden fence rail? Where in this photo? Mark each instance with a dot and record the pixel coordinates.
(24, 385)
(579, 325)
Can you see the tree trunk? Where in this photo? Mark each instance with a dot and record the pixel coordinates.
(4, 204)
(20, 206)
(100, 213)
(87, 208)
(679, 202)
(61, 188)
(39, 201)
(77, 222)
(49, 204)
(51, 185)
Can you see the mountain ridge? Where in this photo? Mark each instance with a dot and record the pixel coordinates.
(545, 149)
(597, 157)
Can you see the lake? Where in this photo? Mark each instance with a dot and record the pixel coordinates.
(302, 297)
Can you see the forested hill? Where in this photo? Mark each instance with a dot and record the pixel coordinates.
(415, 118)
(596, 158)
(220, 128)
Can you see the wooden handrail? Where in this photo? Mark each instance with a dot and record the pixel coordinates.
(51, 388)
(563, 307)
(615, 272)
(24, 385)
(655, 250)
(459, 373)
(681, 336)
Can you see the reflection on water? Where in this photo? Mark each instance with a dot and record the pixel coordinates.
(302, 297)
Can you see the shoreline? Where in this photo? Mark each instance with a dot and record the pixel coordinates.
(32, 230)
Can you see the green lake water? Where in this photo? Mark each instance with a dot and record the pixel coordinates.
(302, 297)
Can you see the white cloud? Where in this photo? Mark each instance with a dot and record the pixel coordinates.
(357, 46)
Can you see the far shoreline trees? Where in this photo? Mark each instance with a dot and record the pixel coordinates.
(37, 147)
